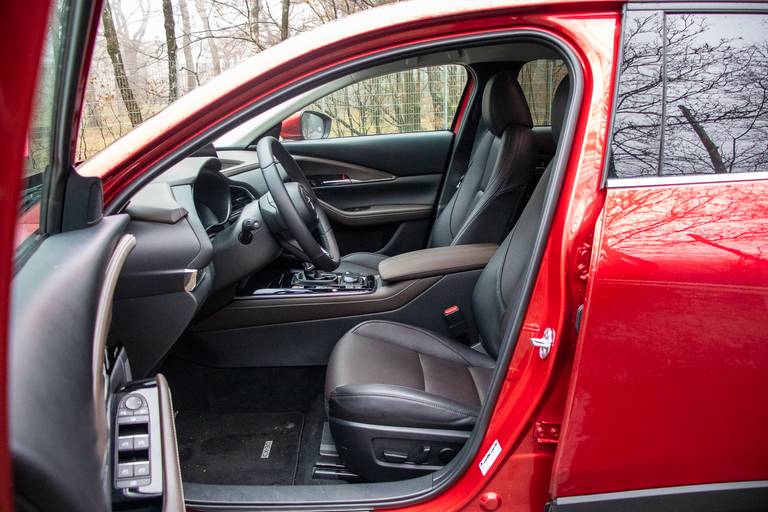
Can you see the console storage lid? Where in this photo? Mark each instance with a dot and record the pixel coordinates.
(436, 261)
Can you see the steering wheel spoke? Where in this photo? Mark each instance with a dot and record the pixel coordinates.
(293, 207)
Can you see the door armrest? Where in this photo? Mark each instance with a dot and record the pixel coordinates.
(436, 262)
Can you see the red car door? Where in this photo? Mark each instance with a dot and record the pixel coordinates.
(668, 394)
(33, 61)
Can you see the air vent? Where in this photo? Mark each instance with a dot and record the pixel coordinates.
(239, 198)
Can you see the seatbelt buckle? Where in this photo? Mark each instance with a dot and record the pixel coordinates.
(454, 319)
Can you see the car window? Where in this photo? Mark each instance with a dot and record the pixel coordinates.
(416, 100)
(40, 135)
(539, 80)
(693, 96)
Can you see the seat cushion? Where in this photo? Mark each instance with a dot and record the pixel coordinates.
(361, 262)
(387, 373)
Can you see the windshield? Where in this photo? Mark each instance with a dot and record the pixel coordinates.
(148, 53)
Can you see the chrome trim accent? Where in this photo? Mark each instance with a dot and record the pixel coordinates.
(660, 491)
(101, 328)
(545, 343)
(191, 279)
(691, 179)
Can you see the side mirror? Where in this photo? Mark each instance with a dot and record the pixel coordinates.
(306, 125)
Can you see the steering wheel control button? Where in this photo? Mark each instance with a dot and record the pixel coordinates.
(133, 402)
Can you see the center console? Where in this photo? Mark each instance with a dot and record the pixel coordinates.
(310, 281)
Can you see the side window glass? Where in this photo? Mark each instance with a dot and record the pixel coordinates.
(639, 102)
(692, 96)
(40, 137)
(416, 100)
(539, 80)
(716, 111)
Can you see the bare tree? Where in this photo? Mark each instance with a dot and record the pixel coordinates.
(186, 43)
(208, 34)
(113, 48)
(170, 41)
(286, 4)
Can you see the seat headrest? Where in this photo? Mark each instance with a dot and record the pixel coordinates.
(559, 103)
(504, 103)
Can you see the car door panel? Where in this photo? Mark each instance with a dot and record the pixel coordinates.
(61, 348)
(401, 154)
(379, 191)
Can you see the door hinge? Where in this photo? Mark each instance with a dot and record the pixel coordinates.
(546, 432)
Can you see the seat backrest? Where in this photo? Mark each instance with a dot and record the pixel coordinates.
(499, 286)
(501, 165)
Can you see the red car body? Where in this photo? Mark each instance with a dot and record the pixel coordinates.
(664, 383)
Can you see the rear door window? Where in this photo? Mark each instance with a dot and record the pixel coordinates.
(693, 95)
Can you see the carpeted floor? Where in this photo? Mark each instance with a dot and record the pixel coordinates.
(225, 416)
(239, 448)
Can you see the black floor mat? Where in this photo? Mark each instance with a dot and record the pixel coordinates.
(239, 448)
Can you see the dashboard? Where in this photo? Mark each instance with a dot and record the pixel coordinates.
(187, 224)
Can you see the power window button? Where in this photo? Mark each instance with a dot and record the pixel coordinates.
(124, 471)
(141, 442)
(141, 469)
(124, 444)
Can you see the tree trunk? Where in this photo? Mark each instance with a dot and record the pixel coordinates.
(714, 154)
(284, 20)
(215, 60)
(113, 49)
(254, 21)
(170, 41)
(189, 64)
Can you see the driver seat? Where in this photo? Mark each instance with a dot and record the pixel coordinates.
(402, 400)
(490, 193)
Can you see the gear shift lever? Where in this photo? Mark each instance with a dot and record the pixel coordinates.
(310, 272)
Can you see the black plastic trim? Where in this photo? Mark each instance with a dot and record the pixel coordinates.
(76, 39)
(721, 497)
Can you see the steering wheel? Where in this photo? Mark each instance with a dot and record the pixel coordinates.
(293, 208)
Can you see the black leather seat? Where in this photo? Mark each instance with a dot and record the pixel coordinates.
(500, 169)
(395, 391)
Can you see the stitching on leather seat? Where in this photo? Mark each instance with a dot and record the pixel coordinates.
(416, 329)
(434, 405)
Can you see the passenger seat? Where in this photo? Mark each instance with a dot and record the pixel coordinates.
(491, 192)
